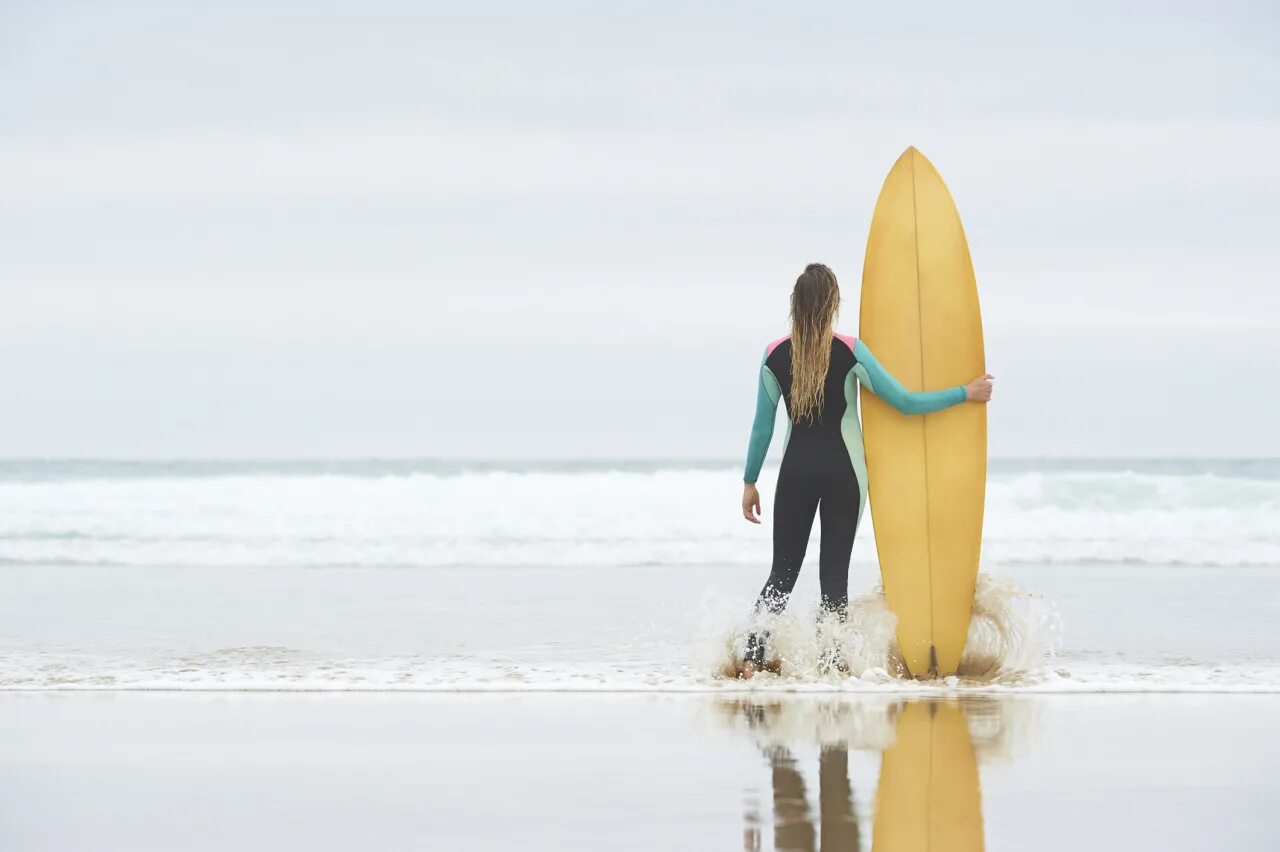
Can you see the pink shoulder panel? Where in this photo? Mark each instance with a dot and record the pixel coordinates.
(775, 344)
(849, 340)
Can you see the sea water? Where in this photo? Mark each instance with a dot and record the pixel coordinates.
(1104, 575)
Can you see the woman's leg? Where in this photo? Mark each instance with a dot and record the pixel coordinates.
(839, 523)
(795, 504)
(794, 507)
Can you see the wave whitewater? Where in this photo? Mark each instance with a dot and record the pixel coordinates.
(587, 517)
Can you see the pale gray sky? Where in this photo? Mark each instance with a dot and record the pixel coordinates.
(568, 229)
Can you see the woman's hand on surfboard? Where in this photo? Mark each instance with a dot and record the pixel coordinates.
(751, 503)
(979, 390)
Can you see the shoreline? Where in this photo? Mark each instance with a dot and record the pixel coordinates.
(921, 692)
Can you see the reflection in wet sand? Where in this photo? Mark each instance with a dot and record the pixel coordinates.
(792, 820)
(928, 797)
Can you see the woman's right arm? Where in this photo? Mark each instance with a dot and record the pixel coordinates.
(885, 386)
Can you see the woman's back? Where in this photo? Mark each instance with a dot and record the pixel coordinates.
(834, 403)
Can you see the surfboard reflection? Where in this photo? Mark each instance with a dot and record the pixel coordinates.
(928, 796)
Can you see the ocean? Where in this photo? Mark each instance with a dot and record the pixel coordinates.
(1115, 575)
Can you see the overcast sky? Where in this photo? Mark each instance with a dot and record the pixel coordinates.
(568, 229)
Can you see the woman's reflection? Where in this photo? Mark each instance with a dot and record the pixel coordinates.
(793, 825)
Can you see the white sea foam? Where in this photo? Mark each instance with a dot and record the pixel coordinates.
(594, 518)
(247, 670)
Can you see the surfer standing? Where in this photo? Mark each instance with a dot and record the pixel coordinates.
(816, 371)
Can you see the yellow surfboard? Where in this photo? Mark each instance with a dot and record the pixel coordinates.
(927, 474)
(929, 797)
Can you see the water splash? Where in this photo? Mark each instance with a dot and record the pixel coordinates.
(1013, 634)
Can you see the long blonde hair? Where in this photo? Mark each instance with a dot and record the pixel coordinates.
(815, 302)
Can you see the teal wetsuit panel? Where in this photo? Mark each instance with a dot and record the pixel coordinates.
(767, 395)
(851, 431)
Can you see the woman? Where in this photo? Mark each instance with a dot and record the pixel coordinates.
(823, 470)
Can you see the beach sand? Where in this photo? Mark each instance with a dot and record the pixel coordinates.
(169, 771)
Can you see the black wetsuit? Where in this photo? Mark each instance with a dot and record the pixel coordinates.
(823, 466)
(816, 475)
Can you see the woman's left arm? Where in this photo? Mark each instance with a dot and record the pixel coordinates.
(768, 393)
(885, 386)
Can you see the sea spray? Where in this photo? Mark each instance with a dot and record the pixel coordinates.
(1012, 635)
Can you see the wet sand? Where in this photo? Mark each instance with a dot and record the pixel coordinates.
(171, 771)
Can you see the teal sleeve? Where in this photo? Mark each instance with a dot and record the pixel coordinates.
(889, 389)
(767, 394)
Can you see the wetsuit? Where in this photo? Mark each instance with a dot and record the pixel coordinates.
(823, 465)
